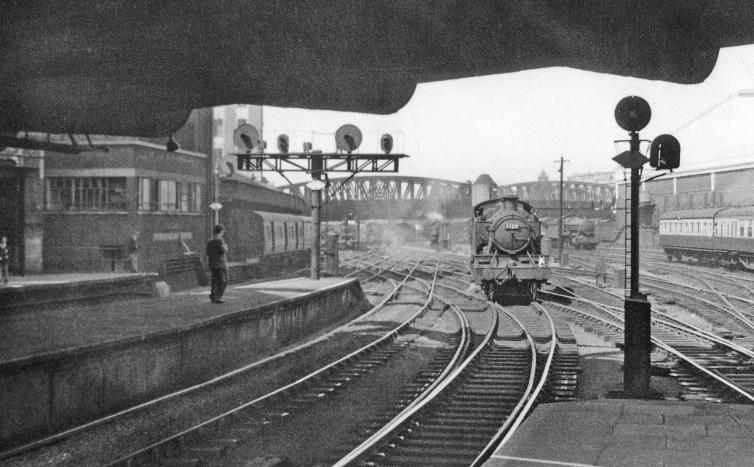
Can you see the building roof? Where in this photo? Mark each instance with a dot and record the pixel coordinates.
(484, 179)
(138, 68)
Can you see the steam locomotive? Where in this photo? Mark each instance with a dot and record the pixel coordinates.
(507, 257)
(578, 232)
(582, 233)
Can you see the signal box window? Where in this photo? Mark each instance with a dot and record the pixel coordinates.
(85, 194)
(145, 194)
(167, 196)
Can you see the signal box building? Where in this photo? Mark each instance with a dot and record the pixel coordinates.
(95, 201)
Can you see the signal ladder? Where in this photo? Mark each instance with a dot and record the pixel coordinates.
(627, 239)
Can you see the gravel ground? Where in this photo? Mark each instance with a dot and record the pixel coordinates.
(311, 437)
(602, 369)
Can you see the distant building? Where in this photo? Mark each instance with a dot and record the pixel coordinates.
(706, 187)
(483, 189)
(225, 120)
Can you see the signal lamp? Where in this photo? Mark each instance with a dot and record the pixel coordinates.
(348, 138)
(246, 136)
(283, 143)
(665, 153)
(632, 113)
(386, 143)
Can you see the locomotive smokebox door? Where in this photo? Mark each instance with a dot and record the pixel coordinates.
(511, 234)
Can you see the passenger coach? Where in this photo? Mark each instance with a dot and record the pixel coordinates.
(721, 235)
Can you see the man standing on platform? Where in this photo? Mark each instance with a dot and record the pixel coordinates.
(132, 246)
(217, 249)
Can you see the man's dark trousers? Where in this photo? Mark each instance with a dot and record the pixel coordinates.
(219, 281)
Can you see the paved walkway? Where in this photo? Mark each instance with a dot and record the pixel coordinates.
(43, 279)
(623, 432)
(28, 334)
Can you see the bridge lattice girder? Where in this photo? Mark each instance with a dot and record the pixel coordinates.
(391, 197)
(578, 197)
(406, 197)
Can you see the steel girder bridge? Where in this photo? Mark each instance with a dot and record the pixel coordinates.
(407, 197)
(391, 197)
(585, 199)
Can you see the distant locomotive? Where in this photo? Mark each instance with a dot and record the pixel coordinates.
(720, 235)
(583, 236)
(507, 260)
(578, 233)
(350, 233)
(447, 233)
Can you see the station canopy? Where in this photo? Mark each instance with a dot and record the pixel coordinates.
(137, 68)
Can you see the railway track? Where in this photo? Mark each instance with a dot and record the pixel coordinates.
(729, 315)
(470, 414)
(478, 378)
(710, 367)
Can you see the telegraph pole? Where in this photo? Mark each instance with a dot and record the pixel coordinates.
(560, 222)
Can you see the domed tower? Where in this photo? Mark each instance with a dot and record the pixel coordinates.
(543, 177)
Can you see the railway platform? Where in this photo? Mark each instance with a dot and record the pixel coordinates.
(625, 432)
(65, 365)
(71, 328)
(602, 431)
(44, 291)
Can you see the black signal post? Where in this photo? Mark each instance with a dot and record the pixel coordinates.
(632, 114)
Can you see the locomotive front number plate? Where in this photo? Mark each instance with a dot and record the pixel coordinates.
(510, 227)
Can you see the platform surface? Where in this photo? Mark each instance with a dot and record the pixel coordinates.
(624, 432)
(38, 333)
(17, 282)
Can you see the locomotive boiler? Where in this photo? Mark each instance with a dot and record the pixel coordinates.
(507, 257)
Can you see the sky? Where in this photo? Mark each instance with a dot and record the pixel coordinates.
(514, 125)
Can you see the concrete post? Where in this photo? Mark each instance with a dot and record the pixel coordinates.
(331, 254)
(316, 237)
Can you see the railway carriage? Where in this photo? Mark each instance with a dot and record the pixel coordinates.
(720, 235)
(272, 240)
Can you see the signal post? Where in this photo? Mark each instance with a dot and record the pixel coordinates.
(317, 164)
(633, 114)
